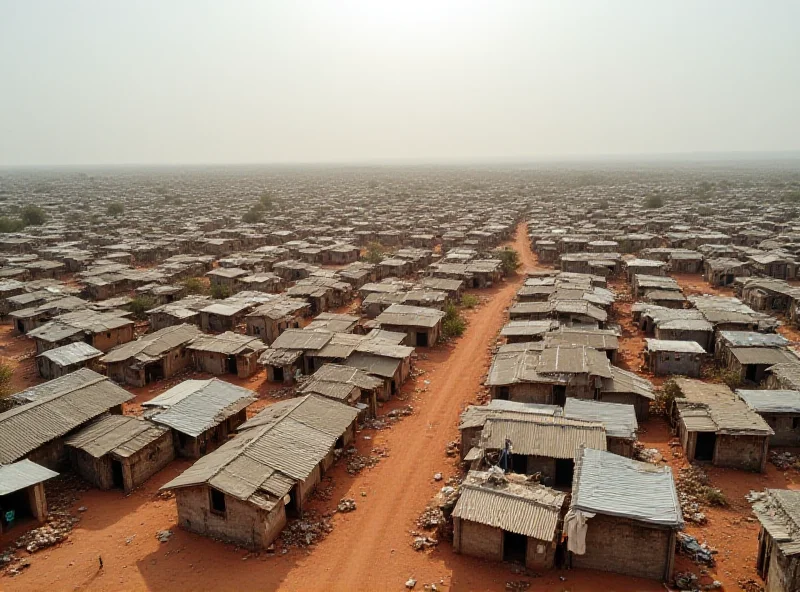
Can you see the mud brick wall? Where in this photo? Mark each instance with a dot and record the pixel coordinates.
(740, 452)
(478, 540)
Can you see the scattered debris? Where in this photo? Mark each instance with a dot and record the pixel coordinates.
(420, 543)
(431, 518)
(452, 448)
(410, 583)
(750, 585)
(164, 535)
(306, 531)
(346, 504)
(784, 460)
(517, 586)
(438, 477)
(700, 554)
(650, 455)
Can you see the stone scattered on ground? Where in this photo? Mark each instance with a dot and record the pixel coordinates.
(517, 585)
(306, 531)
(784, 460)
(164, 535)
(410, 583)
(420, 543)
(701, 554)
(452, 448)
(346, 504)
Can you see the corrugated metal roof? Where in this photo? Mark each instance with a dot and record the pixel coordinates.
(278, 447)
(194, 406)
(72, 353)
(153, 345)
(64, 406)
(300, 339)
(768, 356)
(118, 434)
(22, 474)
(540, 435)
(564, 359)
(610, 484)
(715, 408)
(619, 419)
(674, 346)
(766, 401)
(779, 513)
(753, 339)
(528, 509)
(374, 364)
(476, 415)
(228, 343)
(622, 381)
(410, 316)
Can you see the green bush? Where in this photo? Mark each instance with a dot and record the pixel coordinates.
(194, 286)
(453, 324)
(218, 291)
(715, 497)
(10, 225)
(469, 301)
(510, 259)
(115, 209)
(375, 252)
(654, 202)
(33, 216)
(140, 305)
(6, 375)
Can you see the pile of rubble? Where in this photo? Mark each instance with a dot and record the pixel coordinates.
(649, 455)
(346, 504)
(56, 529)
(306, 531)
(400, 412)
(357, 463)
(517, 586)
(691, 583)
(694, 492)
(422, 542)
(784, 460)
(431, 518)
(701, 554)
(453, 448)
(750, 585)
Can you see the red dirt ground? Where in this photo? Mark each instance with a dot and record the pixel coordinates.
(368, 549)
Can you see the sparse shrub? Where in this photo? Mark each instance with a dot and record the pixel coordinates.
(510, 259)
(218, 291)
(115, 209)
(266, 200)
(715, 497)
(375, 252)
(6, 374)
(469, 301)
(194, 286)
(10, 225)
(33, 216)
(252, 216)
(654, 202)
(665, 396)
(140, 305)
(731, 379)
(453, 324)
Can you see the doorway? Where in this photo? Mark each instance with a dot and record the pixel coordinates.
(292, 509)
(153, 372)
(565, 468)
(750, 372)
(277, 374)
(519, 464)
(704, 446)
(559, 395)
(422, 339)
(232, 365)
(515, 547)
(116, 475)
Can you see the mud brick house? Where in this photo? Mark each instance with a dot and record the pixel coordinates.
(57, 362)
(121, 452)
(623, 517)
(780, 409)
(474, 417)
(643, 266)
(769, 295)
(751, 363)
(784, 376)
(152, 357)
(261, 282)
(527, 331)
(542, 444)
(101, 330)
(46, 414)
(22, 492)
(186, 310)
(343, 254)
(618, 419)
(642, 284)
(778, 558)
(629, 389)
(347, 385)
(722, 271)
(774, 265)
(549, 375)
(202, 413)
(227, 353)
(267, 321)
(505, 518)
(288, 353)
(27, 319)
(664, 358)
(385, 360)
(727, 340)
(223, 315)
(665, 298)
(423, 326)
(245, 491)
(715, 425)
(333, 322)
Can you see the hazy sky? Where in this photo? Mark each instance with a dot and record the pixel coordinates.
(169, 81)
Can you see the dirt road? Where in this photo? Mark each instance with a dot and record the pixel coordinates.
(368, 549)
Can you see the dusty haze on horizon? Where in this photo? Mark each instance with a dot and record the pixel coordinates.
(90, 82)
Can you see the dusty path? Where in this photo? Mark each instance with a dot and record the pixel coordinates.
(368, 549)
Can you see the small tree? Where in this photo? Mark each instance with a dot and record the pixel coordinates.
(267, 199)
(194, 286)
(115, 209)
(218, 291)
(654, 202)
(33, 216)
(453, 324)
(469, 301)
(252, 216)
(6, 375)
(510, 259)
(375, 252)
(10, 225)
(140, 305)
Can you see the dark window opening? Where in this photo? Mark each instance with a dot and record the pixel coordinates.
(277, 373)
(704, 447)
(14, 508)
(750, 373)
(515, 547)
(519, 464)
(559, 395)
(217, 501)
(503, 393)
(422, 339)
(795, 423)
(565, 468)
